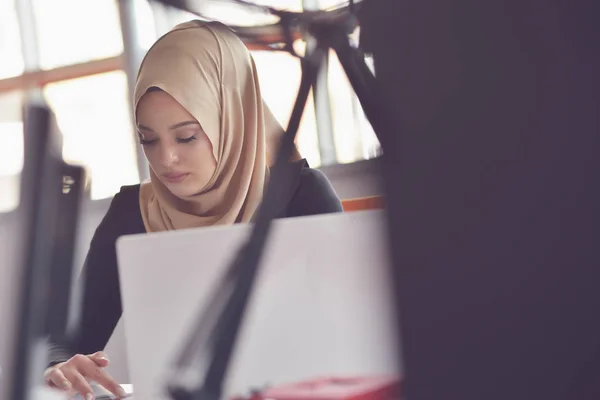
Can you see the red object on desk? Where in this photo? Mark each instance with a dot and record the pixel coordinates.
(350, 388)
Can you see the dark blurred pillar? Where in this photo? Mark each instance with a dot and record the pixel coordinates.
(493, 174)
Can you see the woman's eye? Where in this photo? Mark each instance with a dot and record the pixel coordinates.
(145, 142)
(186, 140)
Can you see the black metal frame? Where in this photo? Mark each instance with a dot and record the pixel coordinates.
(275, 36)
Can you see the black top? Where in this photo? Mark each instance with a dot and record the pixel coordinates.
(306, 192)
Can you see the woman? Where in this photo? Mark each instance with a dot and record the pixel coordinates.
(204, 129)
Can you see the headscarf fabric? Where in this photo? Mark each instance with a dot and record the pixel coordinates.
(207, 69)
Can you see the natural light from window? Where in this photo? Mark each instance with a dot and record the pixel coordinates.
(11, 148)
(11, 59)
(279, 77)
(75, 31)
(93, 115)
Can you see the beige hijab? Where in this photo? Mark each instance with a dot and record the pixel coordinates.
(210, 72)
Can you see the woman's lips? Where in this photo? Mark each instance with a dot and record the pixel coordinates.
(175, 177)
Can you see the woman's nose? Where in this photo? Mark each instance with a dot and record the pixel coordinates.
(169, 157)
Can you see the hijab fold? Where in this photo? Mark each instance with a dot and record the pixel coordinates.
(211, 73)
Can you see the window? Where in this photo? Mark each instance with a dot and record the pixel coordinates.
(94, 111)
(146, 24)
(279, 76)
(11, 148)
(174, 17)
(11, 63)
(226, 12)
(93, 115)
(75, 31)
(354, 137)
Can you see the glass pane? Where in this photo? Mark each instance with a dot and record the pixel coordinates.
(227, 12)
(354, 137)
(174, 17)
(11, 148)
(11, 63)
(279, 76)
(145, 24)
(93, 114)
(74, 31)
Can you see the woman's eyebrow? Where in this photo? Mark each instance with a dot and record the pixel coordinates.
(175, 126)
(144, 128)
(185, 123)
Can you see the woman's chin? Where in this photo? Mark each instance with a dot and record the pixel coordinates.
(181, 190)
(186, 189)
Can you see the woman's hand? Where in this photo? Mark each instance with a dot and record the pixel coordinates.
(73, 375)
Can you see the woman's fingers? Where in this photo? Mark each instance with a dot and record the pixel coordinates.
(91, 370)
(76, 373)
(80, 384)
(100, 358)
(102, 378)
(55, 378)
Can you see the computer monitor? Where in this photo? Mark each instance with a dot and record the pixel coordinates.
(34, 234)
(61, 316)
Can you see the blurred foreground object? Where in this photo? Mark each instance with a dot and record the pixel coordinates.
(355, 388)
(491, 171)
(44, 238)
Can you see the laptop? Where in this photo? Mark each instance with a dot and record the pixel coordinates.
(322, 304)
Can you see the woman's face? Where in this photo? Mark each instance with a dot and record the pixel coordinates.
(177, 149)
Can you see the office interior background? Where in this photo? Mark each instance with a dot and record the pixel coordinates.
(511, 205)
(81, 57)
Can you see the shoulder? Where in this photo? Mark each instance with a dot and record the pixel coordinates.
(313, 180)
(127, 195)
(126, 204)
(125, 201)
(314, 194)
(123, 216)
